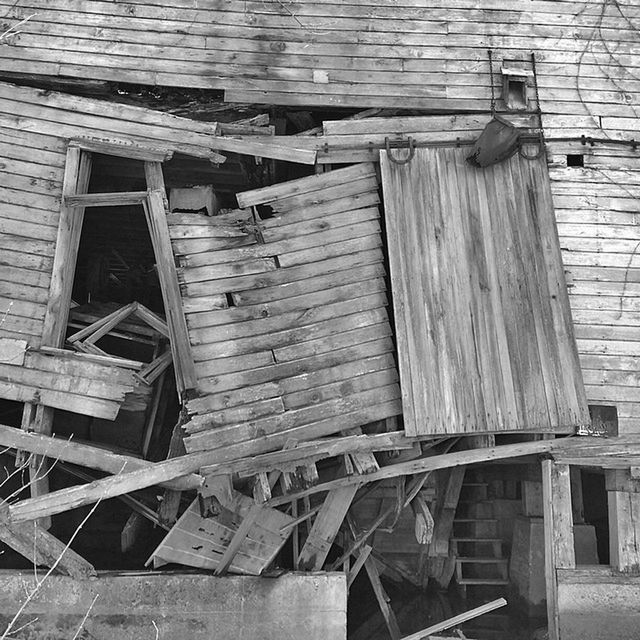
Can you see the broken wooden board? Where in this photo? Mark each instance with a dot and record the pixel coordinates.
(483, 325)
(287, 315)
(202, 542)
(65, 381)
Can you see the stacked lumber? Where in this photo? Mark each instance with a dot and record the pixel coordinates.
(425, 54)
(287, 315)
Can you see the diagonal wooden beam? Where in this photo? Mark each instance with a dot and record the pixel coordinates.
(36, 544)
(168, 470)
(84, 455)
(325, 528)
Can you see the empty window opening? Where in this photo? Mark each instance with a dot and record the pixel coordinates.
(604, 420)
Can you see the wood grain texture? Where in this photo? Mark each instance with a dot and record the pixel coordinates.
(66, 381)
(303, 345)
(425, 55)
(597, 209)
(482, 318)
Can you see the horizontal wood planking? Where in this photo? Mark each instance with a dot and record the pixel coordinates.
(315, 321)
(35, 128)
(66, 381)
(354, 54)
(597, 209)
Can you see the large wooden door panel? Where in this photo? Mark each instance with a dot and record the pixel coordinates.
(484, 331)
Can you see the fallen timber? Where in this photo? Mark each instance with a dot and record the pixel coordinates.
(169, 470)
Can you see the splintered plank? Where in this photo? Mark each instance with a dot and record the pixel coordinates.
(491, 312)
(241, 536)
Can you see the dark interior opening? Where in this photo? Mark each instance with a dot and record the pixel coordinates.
(575, 160)
(596, 510)
(604, 420)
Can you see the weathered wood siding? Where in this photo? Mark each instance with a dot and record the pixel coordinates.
(483, 324)
(35, 128)
(403, 53)
(598, 213)
(287, 315)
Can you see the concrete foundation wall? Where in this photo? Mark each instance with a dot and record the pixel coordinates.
(597, 604)
(180, 606)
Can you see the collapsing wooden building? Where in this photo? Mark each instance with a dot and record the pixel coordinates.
(300, 294)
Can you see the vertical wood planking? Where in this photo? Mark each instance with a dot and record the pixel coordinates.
(479, 327)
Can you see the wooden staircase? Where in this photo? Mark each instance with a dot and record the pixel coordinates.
(481, 565)
(479, 550)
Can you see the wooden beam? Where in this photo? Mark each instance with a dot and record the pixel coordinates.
(624, 521)
(238, 538)
(325, 528)
(456, 620)
(382, 598)
(132, 152)
(84, 455)
(362, 555)
(289, 459)
(76, 181)
(558, 535)
(41, 548)
(447, 504)
(156, 214)
(114, 199)
(168, 470)
(264, 147)
(431, 463)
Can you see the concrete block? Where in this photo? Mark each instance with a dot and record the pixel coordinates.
(180, 606)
